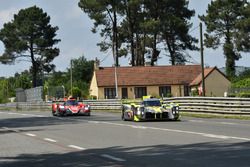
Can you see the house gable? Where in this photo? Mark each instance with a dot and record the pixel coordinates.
(93, 90)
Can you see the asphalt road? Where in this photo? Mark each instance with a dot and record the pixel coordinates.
(29, 139)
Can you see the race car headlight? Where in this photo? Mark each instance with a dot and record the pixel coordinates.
(61, 107)
(86, 107)
(138, 111)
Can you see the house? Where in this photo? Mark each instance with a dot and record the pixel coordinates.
(216, 83)
(135, 82)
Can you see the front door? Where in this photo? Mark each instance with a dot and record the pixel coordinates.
(124, 93)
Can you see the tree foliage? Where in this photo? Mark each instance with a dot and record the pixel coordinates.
(228, 24)
(141, 26)
(30, 37)
(82, 71)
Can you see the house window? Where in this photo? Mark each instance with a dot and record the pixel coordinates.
(140, 91)
(186, 90)
(124, 93)
(109, 93)
(165, 91)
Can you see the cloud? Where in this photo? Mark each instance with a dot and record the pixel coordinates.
(7, 15)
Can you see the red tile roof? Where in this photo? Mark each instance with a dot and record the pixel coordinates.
(198, 79)
(149, 75)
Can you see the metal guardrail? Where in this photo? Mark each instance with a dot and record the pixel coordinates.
(217, 105)
(110, 104)
(103, 105)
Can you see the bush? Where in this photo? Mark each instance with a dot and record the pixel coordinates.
(244, 94)
(243, 83)
(76, 92)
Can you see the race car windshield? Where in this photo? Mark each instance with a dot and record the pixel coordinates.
(152, 103)
(72, 102)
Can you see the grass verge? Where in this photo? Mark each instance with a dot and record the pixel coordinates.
(222, 116)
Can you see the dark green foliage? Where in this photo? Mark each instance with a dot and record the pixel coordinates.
(140, 26)
(82, 69)
(175, 26)
(9, 85)
(244, 74)
(244, 95)
(55, 83)
(241, 85)
(30, 37)
(228, 25)
(76, 92)
(104, 13)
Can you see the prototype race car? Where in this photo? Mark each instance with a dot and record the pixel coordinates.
(70, 107)
(150, 109)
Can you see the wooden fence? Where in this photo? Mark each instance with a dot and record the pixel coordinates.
(218, 105)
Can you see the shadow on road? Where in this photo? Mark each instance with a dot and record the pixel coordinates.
(36, 121)
(215, 154)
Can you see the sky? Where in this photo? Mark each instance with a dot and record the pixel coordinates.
(78, 40)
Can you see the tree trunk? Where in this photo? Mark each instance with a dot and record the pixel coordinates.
(230, 60)
(171, 52)
(34, 66)
(230, 55)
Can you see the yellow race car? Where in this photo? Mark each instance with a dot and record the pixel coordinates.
(150, 109)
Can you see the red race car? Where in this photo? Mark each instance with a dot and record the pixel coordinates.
(70, 107)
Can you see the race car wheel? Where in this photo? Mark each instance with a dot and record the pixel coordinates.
(53, 113)
(60, 114)
(123, 116)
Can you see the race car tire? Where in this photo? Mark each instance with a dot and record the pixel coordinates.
(54, 113)
(123, 116)
(60, 114)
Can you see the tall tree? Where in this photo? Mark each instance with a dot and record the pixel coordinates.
(175, 26)
(132, 30)
(30, 37)
(105, 15)
(152, 10)
(228, 25)
(82, 69)
(143, 25)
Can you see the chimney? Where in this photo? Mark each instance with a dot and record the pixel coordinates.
(96, 64)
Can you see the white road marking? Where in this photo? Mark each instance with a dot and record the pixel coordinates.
(12, 113)
(182, 131)
(6, 128)
(228, 123)
(30, 134)
(25, 114)
(50, 140)
(138, 127)
(216, 136)
(200, 121)
(113, 158)
(223, 123)
(16, 130)
(13, 130)
(76, 147)
(94, 122)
